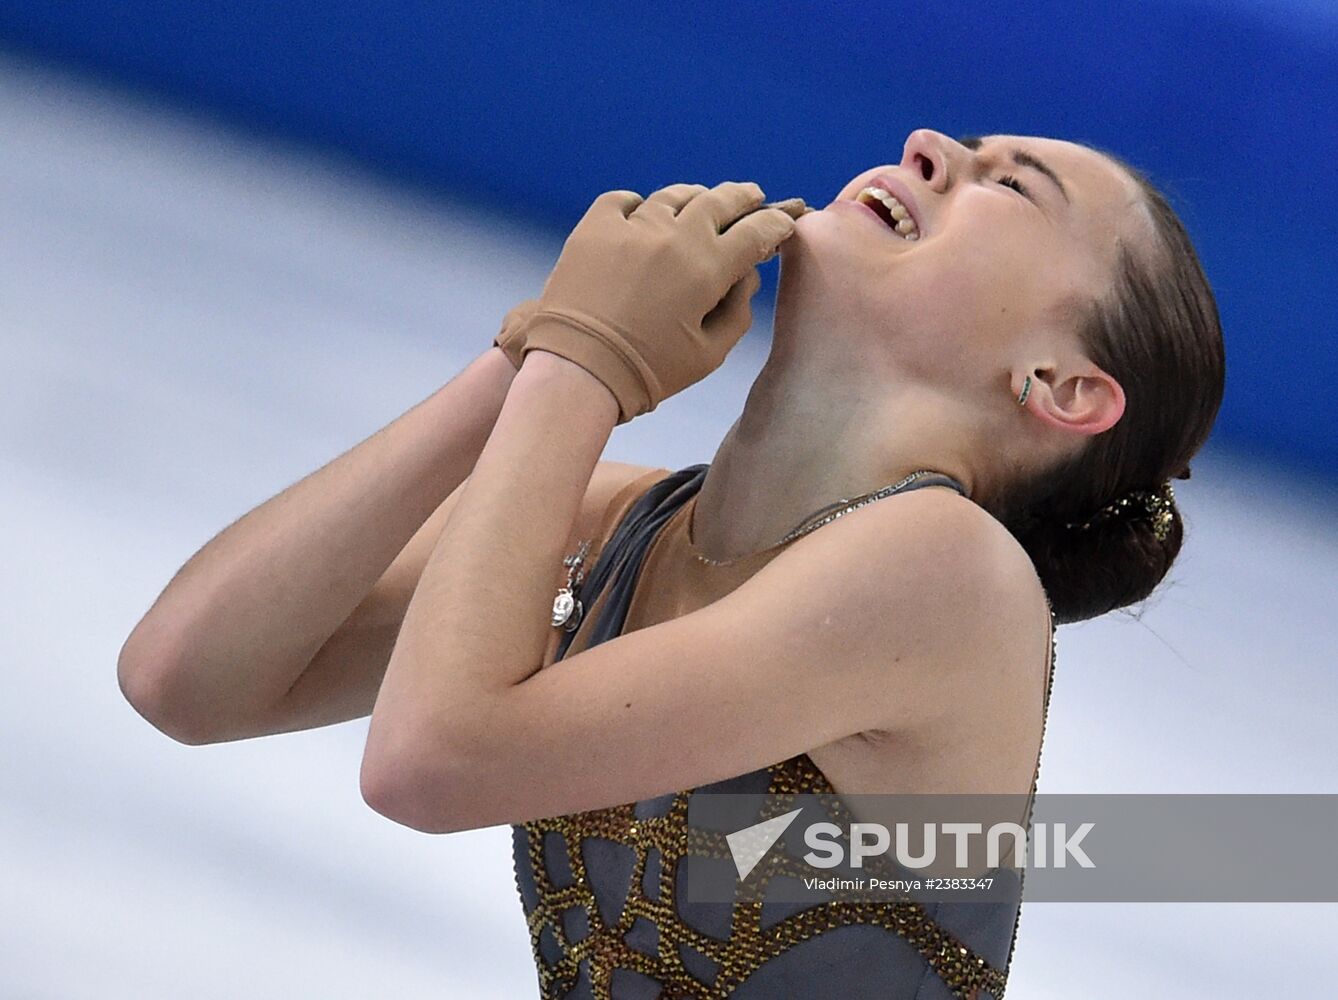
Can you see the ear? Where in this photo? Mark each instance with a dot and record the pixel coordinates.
(1082, 399)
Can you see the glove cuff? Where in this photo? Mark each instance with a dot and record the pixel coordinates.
(601, 351)
(512, 347)
(510, 339)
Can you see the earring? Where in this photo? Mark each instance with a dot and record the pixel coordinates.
(1026, 391)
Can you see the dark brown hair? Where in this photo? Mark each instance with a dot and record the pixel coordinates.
(1157, 333)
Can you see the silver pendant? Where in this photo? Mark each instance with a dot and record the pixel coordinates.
(567, 607)
(567, 610)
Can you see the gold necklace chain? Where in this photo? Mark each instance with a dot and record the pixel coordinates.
(805, 527)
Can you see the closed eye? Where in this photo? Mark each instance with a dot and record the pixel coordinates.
(1008, 180)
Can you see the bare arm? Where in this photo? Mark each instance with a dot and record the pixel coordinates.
(478, 619)
(912, 609)
(342, 681)
(237, 626)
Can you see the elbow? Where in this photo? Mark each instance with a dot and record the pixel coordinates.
(388, 792)
(411, 796)
(144, 678)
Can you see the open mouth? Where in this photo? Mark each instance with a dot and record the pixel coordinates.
(892, 212)
(883, 212)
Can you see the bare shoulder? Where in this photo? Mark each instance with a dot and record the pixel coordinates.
(975, 538)
(982, 564)
(949, 538)
(931, 578)
(610, 478)
(611, 483)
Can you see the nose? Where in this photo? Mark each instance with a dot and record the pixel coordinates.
(927, 154)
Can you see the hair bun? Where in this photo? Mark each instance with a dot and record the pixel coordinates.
(1113, 562)
(1154, 506)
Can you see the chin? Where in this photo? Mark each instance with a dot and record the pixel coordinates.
(814, 234)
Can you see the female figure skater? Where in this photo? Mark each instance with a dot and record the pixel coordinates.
(989, 359)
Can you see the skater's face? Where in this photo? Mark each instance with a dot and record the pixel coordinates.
(1007, 235)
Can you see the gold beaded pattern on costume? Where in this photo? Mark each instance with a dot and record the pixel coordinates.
(749, 945)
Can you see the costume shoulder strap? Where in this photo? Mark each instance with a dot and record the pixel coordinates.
(627, 494)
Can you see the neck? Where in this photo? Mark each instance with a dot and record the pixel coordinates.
(799, 445)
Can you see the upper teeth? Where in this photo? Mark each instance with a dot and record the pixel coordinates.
(905, 224)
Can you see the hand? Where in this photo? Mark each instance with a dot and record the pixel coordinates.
(649, 295)
(511, 338)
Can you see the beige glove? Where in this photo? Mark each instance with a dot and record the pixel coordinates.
(511, 338)
(649, 295)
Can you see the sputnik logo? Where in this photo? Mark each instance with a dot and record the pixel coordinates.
(749, 845)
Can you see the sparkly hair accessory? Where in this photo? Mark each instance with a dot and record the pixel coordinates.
(1153, 505)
